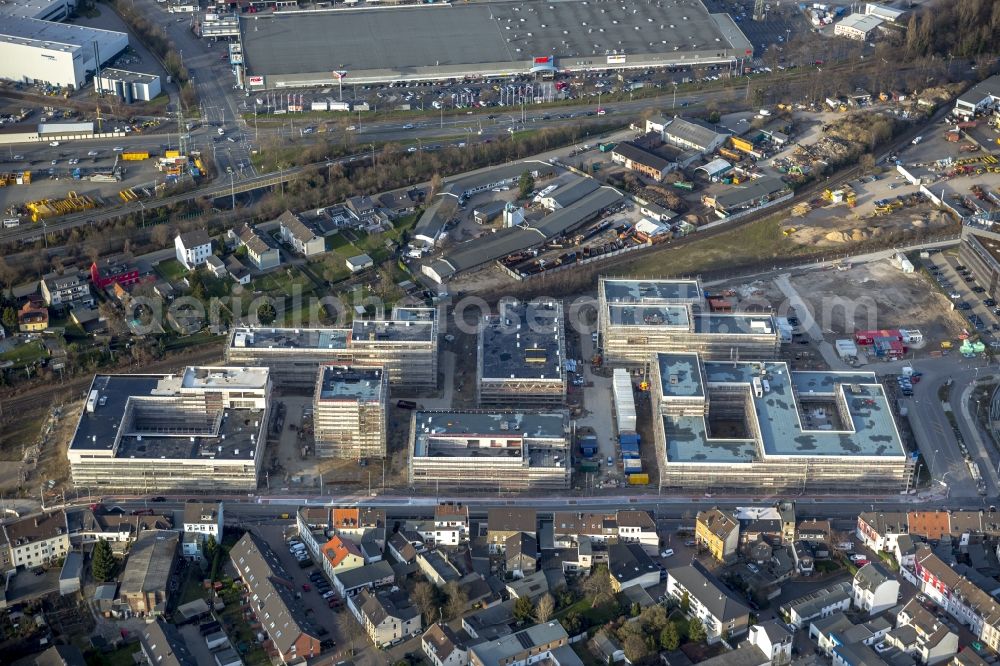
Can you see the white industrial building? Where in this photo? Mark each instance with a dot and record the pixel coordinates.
(127, 86)
(857, 26)
(35, 51)
(43, 10)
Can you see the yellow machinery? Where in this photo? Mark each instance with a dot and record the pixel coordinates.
(741, 144)
(128, 195)
(135, 155)
(73, 203)
(18, 178)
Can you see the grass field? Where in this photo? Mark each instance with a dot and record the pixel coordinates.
(25, 354)
(171, 270)
(749, 244)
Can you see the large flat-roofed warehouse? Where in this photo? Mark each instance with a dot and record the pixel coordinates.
(35, 51)
(349, 411)
(430, 41)
(757, 425)
(521, 355)
(637, 318)
(203, 429)
(483, 450)
(406, 345)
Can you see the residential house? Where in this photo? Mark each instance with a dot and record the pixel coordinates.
(66, 290)
(956, 594)
(570, 528)
(401, 548)
(504, 522)
(919, 633)
(261, 250)
(636, 526)
(816, 533)
(630, 565)
(535, 586)
(37, 540)
(437, 568)
(120, 530)
(875, 589)
(521, 554)
(719, 533)
(363, 208)
(836, 629)
(388, 617)
(215, 266)
(528, 646)
(359, 523)
(443, 647)
(113, 270)
(303, 239)
(60, 655)
(237, 271)
(451, 523)
(803, 556)
(398, 203)
(340, 554)
(32, 318)
(163, 645)
(879, 530)
(146, 580)
(967, 657)
(906, 550)
(351, 581)
(203, 519)
(710, 601)
(192, 248)
(490, 623)
(281, 616)
(744, 655)
(818, 604)
(774, 639)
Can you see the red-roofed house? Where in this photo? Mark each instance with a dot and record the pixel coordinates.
(340, 554)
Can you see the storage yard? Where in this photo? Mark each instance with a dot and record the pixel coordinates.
(481, 39)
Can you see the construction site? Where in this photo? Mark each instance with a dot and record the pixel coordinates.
(349, 412)
(522, 353)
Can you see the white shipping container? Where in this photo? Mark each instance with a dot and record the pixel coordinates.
(340, 106)
(320, 106)
(624, 400)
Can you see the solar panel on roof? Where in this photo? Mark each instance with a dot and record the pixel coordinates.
(523, 639)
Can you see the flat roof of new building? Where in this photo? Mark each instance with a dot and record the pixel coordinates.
(448, 40)
(795, 416)
(478, 427)
(618, 290)
(414, 327)
(340, 382)
(391, 331)
(51, 35)
(667, 316)
(229, 378)
(127, 76)
(130, 419)
(524, 341)
(290, 338)
(681, 375)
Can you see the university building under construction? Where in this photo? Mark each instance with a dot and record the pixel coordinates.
(349, 412)
(405, 345)
(506, 451)
(203, 429)
(521, 355)
(638, 318)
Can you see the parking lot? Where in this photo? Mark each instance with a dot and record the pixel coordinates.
(979, 310)
(308, 591)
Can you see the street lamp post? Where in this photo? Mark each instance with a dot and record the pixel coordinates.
(232, 187)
